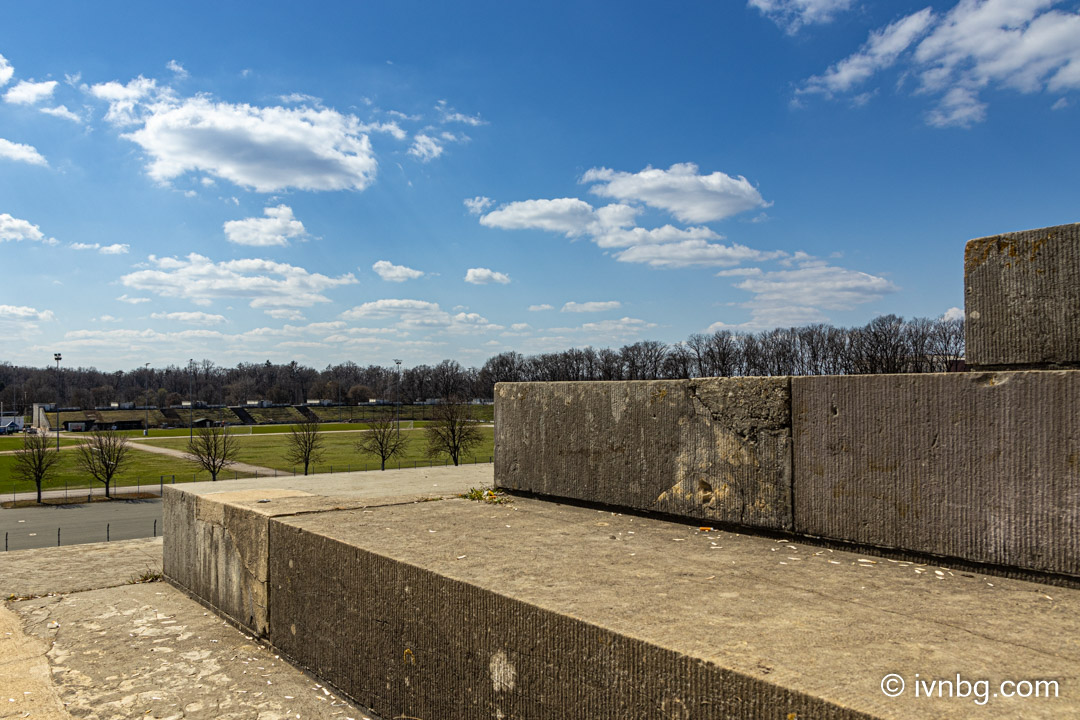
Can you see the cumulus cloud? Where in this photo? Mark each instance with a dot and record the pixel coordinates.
(284, 314)
(277, 228)
(425, 148)
(114, 249)
(28, 92)
(21, 153)
(410, 315)
(21, 322)
(61, 111)
(22, 312)
(6, 71)
(680, 190)
(13, 228)
(478, 204)
(264, 283)
(954, 313)
(1026, 46)
(592, 306)
(449, 115)
(485, 276)
(177, 68)
(191, 318)
(541, 308)
(395, 273)
(791, 15)
(133, 300)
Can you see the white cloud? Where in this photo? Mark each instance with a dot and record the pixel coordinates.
(569, 216)
(114, 249)
(1061, 104)
(12, 228)
(6, 71)
(191, 318)
(449, 115)
(395, 273)
(108, 319)
(276, 228)
(284, 314)
(1022, 45)
(28, 92)
(268, 149)
(689, 253)
(265, 283)
(21, 153)
(954, 313)
(541, 308)
(680, 190)
(485, 276)
(409, 315)
(177, 68)
(881, 50)
(61, 111)
(20, 322)
(592, 306)
(791, 15)
(133, 300)
(478, 204)
(425, 148)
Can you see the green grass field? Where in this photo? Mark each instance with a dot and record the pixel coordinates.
(15, 442)
(340, 455)
(145, 469)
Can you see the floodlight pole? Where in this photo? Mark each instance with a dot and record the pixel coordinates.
(397, 409)
(146, 425)
(56, 357)
(191, 400)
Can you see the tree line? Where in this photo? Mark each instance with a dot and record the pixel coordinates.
(887, 344)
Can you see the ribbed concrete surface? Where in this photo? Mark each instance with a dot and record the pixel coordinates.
(531, 610)
(1022, 298)
(713, 449)
(980, 466)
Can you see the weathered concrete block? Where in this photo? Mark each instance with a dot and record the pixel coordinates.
(983, 466)
(1022, 298)
(217, 550)
(716, 449)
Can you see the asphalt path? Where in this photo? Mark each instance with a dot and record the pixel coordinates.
(36, 527)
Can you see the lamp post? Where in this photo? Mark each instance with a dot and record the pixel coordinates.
(146, 403)
(56, 357)
(397, 408)
(191, 401)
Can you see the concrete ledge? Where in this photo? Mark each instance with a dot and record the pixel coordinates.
(713, 449)
(457, 609)
(979, 466)
(216, 535)
(1022, 299)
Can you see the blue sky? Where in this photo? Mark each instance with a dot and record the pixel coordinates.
(415, 180)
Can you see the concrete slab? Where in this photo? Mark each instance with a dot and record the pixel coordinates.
(92, 646)
(714, 449)
(979, 466)
(458, 609)
(216, 534)
(1022, 299)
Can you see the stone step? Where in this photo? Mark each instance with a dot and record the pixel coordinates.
(531, 609)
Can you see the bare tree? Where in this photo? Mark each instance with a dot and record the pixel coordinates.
(102, 455)
(383, 440)
(35, 461)
(214, 449)
(453, 431)
(304, 444)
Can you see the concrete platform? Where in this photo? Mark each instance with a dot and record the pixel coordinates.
(91, 645)
(460, 609)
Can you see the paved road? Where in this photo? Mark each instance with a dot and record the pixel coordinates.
(36, 527)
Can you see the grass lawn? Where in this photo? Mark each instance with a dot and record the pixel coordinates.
(15, 442)
(145, 469)
(269, 450)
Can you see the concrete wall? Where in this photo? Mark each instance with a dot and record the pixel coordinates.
(714, 449)
(1022, 299)
(979, 466)
(984, 467)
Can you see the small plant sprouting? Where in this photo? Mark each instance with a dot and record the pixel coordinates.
(487, 495)
(147, 577)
